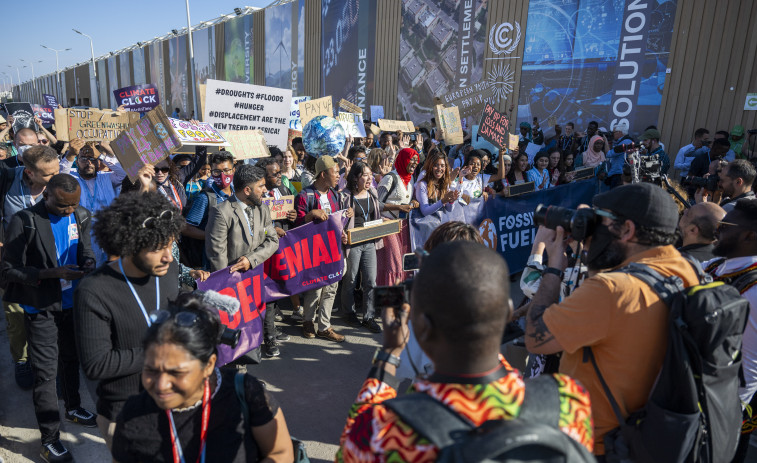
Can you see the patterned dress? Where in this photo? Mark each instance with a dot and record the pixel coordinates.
(374, 433)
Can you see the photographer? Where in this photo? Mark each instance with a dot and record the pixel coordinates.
(619, 317)
(688, 153)
(617, 155)
(700, 166)
(736, 180)
(458, 319)
(651, 141)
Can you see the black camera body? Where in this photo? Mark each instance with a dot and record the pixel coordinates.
(711, 183)
(580, 223)
(393, 296)
(228, 336)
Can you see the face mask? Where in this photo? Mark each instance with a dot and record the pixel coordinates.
(22, 148)
(223, 181)
(601, 238)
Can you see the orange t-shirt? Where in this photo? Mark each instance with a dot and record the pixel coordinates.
(625, 323)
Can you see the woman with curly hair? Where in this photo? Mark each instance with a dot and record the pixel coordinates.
(433, 190)
(112, 305)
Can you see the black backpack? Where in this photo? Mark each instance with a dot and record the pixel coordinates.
(533, 436)
(693, 413)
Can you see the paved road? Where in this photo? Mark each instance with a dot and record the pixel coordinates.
(314, 380)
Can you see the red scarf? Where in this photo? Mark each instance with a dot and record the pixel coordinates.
(401, 163)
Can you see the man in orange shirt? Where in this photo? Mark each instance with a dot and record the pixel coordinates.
(620, 317)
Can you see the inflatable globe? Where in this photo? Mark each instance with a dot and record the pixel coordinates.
(323, 135)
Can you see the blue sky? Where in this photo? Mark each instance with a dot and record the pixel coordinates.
(112, 26)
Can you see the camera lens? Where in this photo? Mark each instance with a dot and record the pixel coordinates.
(230, 337)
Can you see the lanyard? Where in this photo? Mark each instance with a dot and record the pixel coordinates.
(365, 214)
(136, 296)
(178, 453)
(175, 200)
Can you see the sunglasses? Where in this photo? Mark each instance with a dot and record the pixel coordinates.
(182, 319)
(165, 170)
(164, 216)
(86, 160)
(44, 142)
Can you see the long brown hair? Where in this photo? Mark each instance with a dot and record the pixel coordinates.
(436, 188)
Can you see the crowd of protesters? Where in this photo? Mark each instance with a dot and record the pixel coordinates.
(99, 274)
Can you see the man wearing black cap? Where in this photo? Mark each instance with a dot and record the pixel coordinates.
(621, 318)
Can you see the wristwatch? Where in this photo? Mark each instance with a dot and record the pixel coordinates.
(554, 271)
(382, 356)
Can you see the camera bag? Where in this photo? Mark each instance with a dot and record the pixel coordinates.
(693, 413)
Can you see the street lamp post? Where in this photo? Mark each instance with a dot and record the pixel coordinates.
(192, 76)
(34, 78)
(57, 69)
(96, 99)
(18, 73)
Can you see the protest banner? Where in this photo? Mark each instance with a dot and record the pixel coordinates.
(147, 141)
(137, 98)
(309, 257)
(294, 112)
(350, 107)
(190, 134)
(393, 126)
(50, 100)
(247, 144)
(280, 207)
(23, 116)
(236, 106)
(312, 108)
(477, 142)
(45, 113)
(92, 124)
(352, 124)
(375, 130)
(448, 121)
(470, 99)
(494, 126)
(377, 112)
(505, 224)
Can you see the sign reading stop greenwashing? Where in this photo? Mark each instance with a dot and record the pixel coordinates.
(137, 98)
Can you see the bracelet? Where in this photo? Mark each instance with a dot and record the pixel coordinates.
(554, 271)
(382, 356)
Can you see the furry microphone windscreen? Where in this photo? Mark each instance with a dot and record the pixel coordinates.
(220, 301)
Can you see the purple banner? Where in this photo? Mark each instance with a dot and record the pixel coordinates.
(137, 98)
(50, 100)
(309, 257)
(45, 113)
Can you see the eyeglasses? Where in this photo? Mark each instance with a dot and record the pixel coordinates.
(218, 172)
(44, 142)
(361, 159)
(182, 319)
(164, 216)
(86, 160)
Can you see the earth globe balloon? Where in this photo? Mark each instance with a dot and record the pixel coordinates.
(323, 135)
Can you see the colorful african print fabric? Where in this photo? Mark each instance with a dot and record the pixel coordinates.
(375, 434)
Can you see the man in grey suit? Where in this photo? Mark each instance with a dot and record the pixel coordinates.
(240, 234)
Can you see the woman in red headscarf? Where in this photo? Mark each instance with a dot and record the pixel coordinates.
(396, 187)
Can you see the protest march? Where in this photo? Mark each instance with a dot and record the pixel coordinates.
(443, 231)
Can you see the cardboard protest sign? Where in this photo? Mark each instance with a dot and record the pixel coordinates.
(377, 112)
(146, 141)
(247, 144)
(50, 100)
(279, 207)
(312, 108)
(352, 124)
(91, 124)
(45, 113)
(137, 98)
(294, 112)
(393, 126)
(375, 130)
(350, 107)
(494, 127)
(470, 99)
(552, 121)
(236, 106)
(512, 143)
(23, 116)
(197, 134)
(292, 135)
(448, 121)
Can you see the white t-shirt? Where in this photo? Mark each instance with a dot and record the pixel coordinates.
(473, 188)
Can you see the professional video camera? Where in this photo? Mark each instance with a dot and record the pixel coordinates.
(710, 183)
(642, 167)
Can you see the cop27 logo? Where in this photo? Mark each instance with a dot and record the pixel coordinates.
(500, 40)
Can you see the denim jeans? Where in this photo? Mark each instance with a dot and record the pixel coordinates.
(361, 257)
(52, 350)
